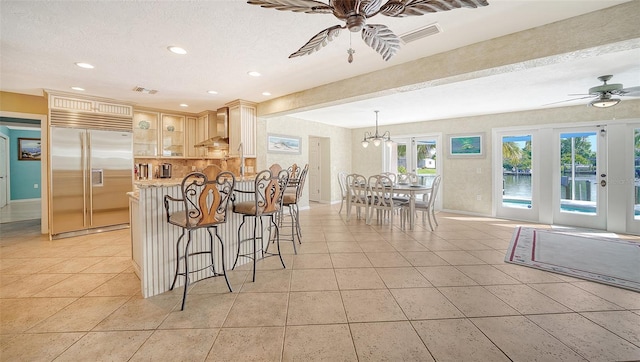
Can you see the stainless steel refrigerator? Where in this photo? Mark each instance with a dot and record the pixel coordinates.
(91, 173)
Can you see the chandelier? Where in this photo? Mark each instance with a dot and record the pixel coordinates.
(376, 138)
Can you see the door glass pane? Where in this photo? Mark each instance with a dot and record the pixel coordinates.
(425, 167)
(401, 152)
(516, 171)
(578, 186)
(636, 188)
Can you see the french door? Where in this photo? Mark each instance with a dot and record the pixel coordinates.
(580, 177)
(417, 155)
(517, 185)
(585, 176)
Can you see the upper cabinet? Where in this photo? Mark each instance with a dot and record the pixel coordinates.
(172, 135)
(145, 133)
(66, 102)
(197, 130)
(242, 127)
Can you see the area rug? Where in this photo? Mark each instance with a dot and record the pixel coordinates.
(601, 259)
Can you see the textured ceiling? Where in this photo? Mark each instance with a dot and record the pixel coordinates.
(127, 41)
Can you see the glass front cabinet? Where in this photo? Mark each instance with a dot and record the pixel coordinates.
(145, 134)
(172, 135)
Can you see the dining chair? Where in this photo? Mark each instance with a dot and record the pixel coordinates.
(268, 191)
(342, 182)
(381, 199)
(427, 208)
(357, 195)
(392, 176)
(203, 204)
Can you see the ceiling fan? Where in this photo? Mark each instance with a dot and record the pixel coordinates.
(355, 14)
(604, 93)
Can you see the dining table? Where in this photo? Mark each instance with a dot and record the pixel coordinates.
(411, 190)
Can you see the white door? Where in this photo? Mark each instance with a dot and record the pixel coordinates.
(4, 153)
(580, 177)
(517, 175)
(315, 169)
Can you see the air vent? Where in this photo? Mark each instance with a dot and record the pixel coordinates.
(144, 90)
(425, 31)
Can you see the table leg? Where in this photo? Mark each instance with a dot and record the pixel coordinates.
(412, 210)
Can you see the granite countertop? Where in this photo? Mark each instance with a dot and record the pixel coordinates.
(168, 182)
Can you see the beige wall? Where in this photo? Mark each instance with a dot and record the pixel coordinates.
(461, 183)
(338, 152)
(23, 103)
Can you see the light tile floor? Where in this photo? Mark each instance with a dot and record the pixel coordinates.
(19, 211)
(353, 293)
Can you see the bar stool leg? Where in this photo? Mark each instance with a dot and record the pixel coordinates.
(239, 242)
(224, 268)
(186, 271)
(278, 240)
(175, 277)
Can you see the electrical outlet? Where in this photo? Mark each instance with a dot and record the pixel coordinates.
(478, 170)
(193, 168)
(35, 186)
(479, 197)
(249, 168)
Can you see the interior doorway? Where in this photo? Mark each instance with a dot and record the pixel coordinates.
(36, 122)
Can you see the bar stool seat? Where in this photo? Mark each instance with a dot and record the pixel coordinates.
(203, 205)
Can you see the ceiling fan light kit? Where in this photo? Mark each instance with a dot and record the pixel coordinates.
(376, 138)
(355, 14)
(604, 102)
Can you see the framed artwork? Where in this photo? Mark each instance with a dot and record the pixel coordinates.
(29, 149)
(284, 144)
(466, 145)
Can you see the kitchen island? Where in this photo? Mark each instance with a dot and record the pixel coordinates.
(153, 240)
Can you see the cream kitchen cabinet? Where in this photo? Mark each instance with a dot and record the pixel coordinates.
(145, 133)
(197, 130)
(68, 102)
(242, 127)
(172, 138)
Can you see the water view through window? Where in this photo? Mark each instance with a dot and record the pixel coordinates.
(516, 171)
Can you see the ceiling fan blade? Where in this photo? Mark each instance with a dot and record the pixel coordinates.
(298, 6)
(381, 39)
(631, 91)
(569, 100)
(318, 41)
(420, 7)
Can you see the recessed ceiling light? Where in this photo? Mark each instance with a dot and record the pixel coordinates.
(212, 92)
(177, 50)
(266, 93)
(77, 88)
(253, 73)
(184, 105)
(85, 65)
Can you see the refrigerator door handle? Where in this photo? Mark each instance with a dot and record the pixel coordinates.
(83, 162)
(89, 171)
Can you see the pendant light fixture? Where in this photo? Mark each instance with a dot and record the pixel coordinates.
(376, 138)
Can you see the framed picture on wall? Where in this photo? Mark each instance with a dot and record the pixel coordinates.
(466, 145)
(29, 149)
(284, 144)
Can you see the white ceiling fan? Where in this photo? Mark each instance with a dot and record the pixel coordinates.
(603, 94)
(355, 14)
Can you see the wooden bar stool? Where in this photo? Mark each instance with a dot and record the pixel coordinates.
(268, 193)
(203, 205)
